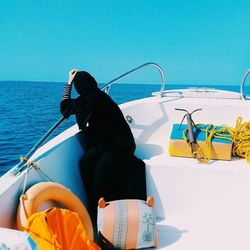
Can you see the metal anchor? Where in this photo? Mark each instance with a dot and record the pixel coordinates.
(190, 124)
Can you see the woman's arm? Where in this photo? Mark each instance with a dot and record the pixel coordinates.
(67, 105)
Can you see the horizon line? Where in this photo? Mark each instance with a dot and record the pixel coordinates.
(154, 83)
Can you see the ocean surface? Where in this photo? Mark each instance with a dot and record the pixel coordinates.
(29, 109)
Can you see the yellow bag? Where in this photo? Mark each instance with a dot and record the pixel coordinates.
(57, 228)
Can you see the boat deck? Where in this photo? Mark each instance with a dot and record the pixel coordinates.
(201, 208)
(198, 206)
(153, 125)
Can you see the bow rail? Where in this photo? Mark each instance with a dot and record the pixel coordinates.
(22, 165)
(107, 86)
(243, 97)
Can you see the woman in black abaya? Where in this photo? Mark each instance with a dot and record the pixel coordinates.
(109, 168)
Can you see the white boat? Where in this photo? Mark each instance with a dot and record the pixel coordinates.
(198, 206)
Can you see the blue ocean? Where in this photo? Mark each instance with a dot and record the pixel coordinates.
(29, 109)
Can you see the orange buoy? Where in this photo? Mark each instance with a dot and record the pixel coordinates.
(45, 191)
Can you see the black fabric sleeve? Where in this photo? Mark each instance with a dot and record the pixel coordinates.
(67, 107)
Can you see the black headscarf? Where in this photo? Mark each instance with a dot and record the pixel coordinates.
(84, 83)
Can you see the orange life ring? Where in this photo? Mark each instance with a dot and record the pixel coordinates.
(45, 191)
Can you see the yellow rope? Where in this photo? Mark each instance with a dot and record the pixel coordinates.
(241, 139)
(239, 135)
(35, 166)
(203, 153)
(30, 163)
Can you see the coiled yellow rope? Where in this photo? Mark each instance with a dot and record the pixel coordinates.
(239, 135)
(203, 153)
(241, 139)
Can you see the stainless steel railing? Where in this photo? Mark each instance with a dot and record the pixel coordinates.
(107, 86)
(243, 85)
(22, 165)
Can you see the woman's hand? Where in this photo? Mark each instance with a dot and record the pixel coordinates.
(72, 74)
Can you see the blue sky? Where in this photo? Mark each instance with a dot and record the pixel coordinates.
(200, 42)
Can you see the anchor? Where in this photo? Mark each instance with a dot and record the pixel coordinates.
(191, 124)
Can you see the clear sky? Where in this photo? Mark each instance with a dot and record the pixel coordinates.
(195, 41)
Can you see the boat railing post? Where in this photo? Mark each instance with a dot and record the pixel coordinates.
(243, 85)
(107, 86)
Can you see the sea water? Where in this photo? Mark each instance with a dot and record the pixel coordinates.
(29, 109)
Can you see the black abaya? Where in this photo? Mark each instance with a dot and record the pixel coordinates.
(109, 168)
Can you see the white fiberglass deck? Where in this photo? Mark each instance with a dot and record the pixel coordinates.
(198, 206)
(153, 119)
(203, 208)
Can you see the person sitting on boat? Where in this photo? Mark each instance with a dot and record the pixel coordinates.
(109, 143)
(106, 124)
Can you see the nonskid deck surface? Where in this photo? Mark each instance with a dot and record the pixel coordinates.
(153, 120)
(199, 206)
(203, 208)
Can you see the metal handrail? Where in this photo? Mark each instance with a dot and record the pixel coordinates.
(107, 86)
(24, 164)
(243, 84)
